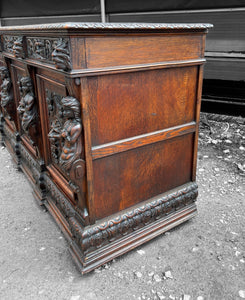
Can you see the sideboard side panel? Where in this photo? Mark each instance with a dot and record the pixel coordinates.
(127, 178)
(141, 102)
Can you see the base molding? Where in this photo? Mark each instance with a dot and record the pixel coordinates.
(92, 246)
(129, 242)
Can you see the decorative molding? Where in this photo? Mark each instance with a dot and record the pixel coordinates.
(8, 134)
(32, 164)
(69, 211)
(61, 55)
(102, 234)
(17, 149)
(59, 198)
(105, 26)
(99, 235)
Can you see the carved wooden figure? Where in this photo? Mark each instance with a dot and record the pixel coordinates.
(107, 127)
(6, 92)
(26, 108)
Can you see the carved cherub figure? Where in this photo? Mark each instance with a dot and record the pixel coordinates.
(26, 108)
(70, 133)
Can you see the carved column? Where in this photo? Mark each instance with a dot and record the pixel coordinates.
(7, 99)
(27, 109)
(66, 141)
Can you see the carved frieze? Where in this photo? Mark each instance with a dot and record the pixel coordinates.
(41, 48)
(14, 45)
(54, 50)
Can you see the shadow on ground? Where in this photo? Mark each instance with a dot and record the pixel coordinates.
(201, 259)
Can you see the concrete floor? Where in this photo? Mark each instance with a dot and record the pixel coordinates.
(201, 259)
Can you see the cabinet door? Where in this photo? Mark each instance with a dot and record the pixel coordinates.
(26, 106)
(50, 93)
(62, 137)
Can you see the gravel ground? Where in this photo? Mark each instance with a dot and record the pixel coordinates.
(201, 259)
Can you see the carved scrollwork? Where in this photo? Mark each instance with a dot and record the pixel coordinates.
(41, 48)
(51, 50)
(27, 108)
(61, 55)
(18, 49)
(8, 42)
(14, 45)
(113, 229)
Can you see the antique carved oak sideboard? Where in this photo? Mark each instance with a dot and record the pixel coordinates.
(103, 119)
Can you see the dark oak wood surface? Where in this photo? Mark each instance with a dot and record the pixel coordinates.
(104, 122)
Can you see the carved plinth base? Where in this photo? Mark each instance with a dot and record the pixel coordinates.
(87, 263)
(92, 246)
(11, 141)
(34, 170)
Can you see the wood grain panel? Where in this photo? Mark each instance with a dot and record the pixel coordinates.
(141, 102)
(130, 50)
(127, 178)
